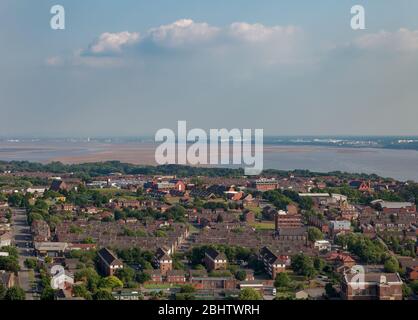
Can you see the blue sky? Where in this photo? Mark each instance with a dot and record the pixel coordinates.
(128, 68)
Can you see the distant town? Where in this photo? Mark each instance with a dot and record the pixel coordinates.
(386, 142)
(115, 231)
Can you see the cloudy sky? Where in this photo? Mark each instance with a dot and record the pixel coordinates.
(131, 67)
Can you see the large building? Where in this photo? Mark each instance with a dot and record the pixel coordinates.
(215, 260)
(265, 184)
(284, 220)
(395, 207)
(273, 263)
(108, 262)
(163, 261)
(374, 286)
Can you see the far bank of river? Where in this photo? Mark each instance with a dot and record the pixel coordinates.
(398, 164)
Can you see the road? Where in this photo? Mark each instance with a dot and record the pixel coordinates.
(23, 242)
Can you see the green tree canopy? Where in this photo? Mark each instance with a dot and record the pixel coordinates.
(303, 265)
(110, 282)
(15, 293)
(103, 294)
(282, 280)
(391, 265)
(250, 294)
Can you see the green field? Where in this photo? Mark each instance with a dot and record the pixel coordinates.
(263, 225)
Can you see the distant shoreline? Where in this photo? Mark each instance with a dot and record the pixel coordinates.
(398, 164)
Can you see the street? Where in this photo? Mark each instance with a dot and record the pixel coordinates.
(23, 242)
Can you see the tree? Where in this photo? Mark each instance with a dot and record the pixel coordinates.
(9, 264)
(126, 274)
(81, 291)
(276, 197)
(303, 265)
(314, 234)
(187, 288)
(110, 282)
(330, 290)
(30, 263)
(15, 200)
(391, 265)
(103, 294)
(305, 203)
(177, 213)
(414, 286)
(282, 280)
(48, 294)
(185, 296)
(370, 251)
(406, 291)
(89, 276)
(319, 264)
(241, 275)
(15, 293)
(2, 291)
(199, 267)
(250, 294)
(142, 277)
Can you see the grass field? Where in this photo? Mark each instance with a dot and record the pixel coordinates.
(263, 225)
(160, 286)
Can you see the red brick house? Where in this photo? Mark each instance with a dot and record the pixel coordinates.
(163, 261)
(265, 184)
(176, 276)
(273, 263)
(108, 262)
(374, 286)
(215, 260)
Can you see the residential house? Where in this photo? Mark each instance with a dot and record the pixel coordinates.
(40, 231)
(273, 263)
(108, 262)
(410, 266)
(340, 226)
(5, 238)
(175, 276)
(322, 245)
(7, 279)
(163, 261)
(215, 260)
(51, 249)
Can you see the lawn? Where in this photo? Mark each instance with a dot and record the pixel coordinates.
(160, 286)
(173, 200)
(128, 195)
(263, 225)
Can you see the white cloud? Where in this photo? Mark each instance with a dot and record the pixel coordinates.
(240, 40)
(182, 32)
(188, 33)
(260, 33)
(403, 40)
(113, 42)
